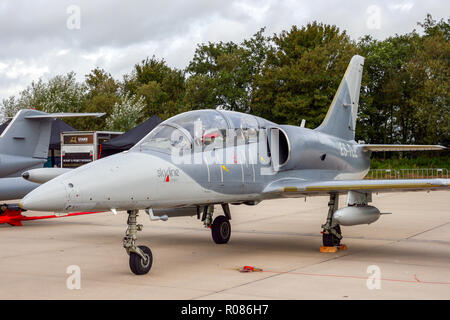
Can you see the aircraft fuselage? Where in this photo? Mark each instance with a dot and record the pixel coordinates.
(153, 178)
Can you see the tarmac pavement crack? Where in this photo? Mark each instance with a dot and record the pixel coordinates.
(422, 232)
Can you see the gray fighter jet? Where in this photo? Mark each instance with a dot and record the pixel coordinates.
(197, 160)
(24, 145)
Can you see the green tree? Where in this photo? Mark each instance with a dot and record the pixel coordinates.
(161, 87)
(222, 74)
(125, 113)
(405, 95)
(61, 93)
(429, 67)
(301, 74)
(9, 107)
(101, 96)
(200, 92)
(385, 108)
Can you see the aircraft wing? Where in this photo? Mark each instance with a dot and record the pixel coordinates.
(299, 187)
(399, 147)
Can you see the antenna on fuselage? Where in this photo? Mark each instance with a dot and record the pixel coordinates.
(302, 124)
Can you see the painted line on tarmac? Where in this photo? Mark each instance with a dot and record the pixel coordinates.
(416, 280)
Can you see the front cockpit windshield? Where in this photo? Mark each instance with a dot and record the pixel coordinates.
(202, 128)
(166, 137)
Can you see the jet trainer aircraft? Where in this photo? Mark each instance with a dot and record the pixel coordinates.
(199, 159)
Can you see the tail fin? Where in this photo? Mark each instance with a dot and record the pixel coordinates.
(28, 133)
(340, 120)
(26, 137)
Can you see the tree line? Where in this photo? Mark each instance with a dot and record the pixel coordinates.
(285, 77)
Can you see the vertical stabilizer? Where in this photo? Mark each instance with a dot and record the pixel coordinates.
(28, 133)
(26, 137)
(340, 120)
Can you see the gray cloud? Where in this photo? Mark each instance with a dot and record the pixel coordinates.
(35, 41)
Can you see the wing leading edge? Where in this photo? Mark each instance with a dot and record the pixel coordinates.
(298, 187)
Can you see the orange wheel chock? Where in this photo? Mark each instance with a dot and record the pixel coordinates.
(333, 249)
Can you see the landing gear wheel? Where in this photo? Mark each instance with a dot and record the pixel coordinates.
(138, 265)
(330, 240)
(221, 230)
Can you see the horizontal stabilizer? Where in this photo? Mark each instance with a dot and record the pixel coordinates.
(399, 147)
(64, 115)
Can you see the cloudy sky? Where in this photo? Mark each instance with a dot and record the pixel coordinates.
(44, 38)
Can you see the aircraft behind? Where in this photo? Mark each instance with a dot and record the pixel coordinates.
(23, 146)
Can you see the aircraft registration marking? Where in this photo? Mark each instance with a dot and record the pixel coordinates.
(347, 150)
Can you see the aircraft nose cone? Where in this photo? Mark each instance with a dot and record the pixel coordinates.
(47, 197)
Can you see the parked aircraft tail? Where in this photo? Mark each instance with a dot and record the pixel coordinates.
(26, 137)
(340, 120)
(28, 133)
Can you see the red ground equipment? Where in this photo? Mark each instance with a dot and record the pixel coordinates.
(12, 215)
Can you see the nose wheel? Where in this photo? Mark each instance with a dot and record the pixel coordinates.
(139, 265)
(141, 258)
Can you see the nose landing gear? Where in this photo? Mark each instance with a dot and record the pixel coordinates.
(141, 257)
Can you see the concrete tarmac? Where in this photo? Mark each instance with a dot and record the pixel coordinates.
(409, 251)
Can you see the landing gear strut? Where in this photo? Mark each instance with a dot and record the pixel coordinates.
(331, 234)
(141, 258)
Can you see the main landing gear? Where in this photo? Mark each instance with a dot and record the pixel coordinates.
(141, 258)
(220, 227)
(331, 232)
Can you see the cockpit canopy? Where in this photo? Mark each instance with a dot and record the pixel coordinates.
(203, 128)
